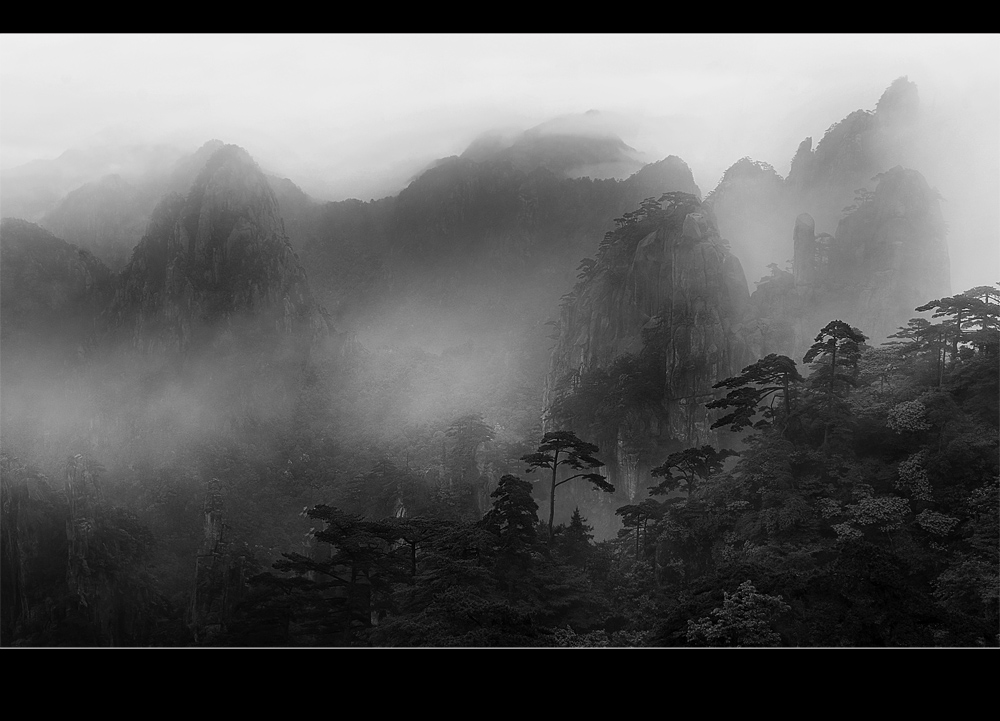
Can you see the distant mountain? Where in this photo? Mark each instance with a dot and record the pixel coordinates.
(106, 216)
(31, 190)
(756, 208)
(215, 255)
(667, 293)
(569, 147)
(888, 254)
(469, 235)
(662, 312)
(467, 262)
(49, 289)
(51, 297)
(106, 213)
(208, 330)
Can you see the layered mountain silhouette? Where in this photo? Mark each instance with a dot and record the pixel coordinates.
(207, 327)
(209, 257)
(49, 289)
(569, 147)
(756, 207)
(31, 190)
(664, 306)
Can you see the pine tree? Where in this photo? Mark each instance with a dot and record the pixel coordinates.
(689, 467)
(563, 448)
(767, 377)
(514, 514)
(835, 354)
(574, 540)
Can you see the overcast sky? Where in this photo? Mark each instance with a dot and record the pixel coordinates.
(350, 115)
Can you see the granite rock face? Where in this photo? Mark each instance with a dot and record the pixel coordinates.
(670, 276)
(208, 331)
(755, 206)
(750, 204)
(213, 258)
(888, 255)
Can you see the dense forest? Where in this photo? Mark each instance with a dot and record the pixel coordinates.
(511, 406)
(860, 510)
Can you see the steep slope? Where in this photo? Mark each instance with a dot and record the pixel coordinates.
(217, 255)
(31, 190)
(206, 334)
(571, 146)
(48, 288)
(888, 253)
(655, 321)
(891, 252)
(105, 216)
(750, 202)
(755, 207)
(470, 235)
(51, 294)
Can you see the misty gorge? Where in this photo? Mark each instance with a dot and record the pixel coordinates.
(549, 393)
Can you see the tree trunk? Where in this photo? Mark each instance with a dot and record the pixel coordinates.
(552, 504)
(833, 373)
(552, 493)
(958, 334)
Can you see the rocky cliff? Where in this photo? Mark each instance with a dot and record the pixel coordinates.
(667, 292)
(209, 331)
(483, 236)
(211, 259)
(888, 254)
(750, 203)
(663, 312)
(755, 206)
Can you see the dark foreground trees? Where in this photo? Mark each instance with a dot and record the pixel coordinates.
(771, 377)
(883, 533)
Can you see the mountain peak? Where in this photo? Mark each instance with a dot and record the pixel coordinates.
(899, 103)
(219, 251)
(568, 146)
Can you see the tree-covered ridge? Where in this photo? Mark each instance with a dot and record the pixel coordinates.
(744, 486)
(858, 508)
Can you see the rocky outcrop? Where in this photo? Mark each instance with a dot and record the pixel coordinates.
(213, 258)
(482, 242)
(669, 280)
(668, 277)
(750, 203)
(889, 254)
(755, 207)
(209, 330)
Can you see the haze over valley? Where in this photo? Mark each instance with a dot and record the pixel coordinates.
(500, 340)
